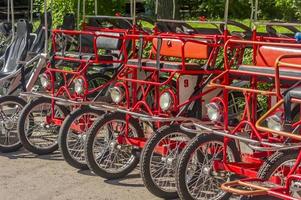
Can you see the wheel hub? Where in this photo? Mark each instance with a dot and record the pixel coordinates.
(170, 162)
(82, 137)
(207, 170)
(9, 124)
(296, 189)
(113, 145)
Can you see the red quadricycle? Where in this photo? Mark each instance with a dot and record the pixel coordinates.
(236, 145)
(279, 176)
(81, 69)
(154, 90)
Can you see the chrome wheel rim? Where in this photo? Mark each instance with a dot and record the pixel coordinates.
(75, 140)
(108, 154)
(38, 132)
(202, 181)
(9, 115)
(163, 167)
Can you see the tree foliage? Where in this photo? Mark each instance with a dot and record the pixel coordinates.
(289, 10)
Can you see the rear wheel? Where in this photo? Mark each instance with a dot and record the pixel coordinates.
(10, 108)
(37, 131)
(159, 160)
(105, 152)
(196, 177)
(73, 134)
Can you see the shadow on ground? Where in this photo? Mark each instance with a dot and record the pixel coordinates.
(56, 156)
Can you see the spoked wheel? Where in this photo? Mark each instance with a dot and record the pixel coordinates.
(37, 131)
(159, 160)
(73, 133)
(276, 170)
(10, 108)
(106, 155)
(196, 177)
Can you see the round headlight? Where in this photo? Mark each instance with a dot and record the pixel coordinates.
(166, 101)
(79, 86)
(117, 94)
(275, 123)
(45, 81)
(214, 112)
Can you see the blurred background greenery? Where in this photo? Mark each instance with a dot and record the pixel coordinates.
(286, 10)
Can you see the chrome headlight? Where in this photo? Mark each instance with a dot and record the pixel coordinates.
(117, 94)
(275, 122)
(166, 101)
(79, 86)
(214, 112)
(45, 81)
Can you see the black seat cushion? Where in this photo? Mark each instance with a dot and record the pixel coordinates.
(270, 70)
(68, 22)
(86, 56)
(5, 28)
(17, 50)
(39, 44)
(294, 93)
(165, 64)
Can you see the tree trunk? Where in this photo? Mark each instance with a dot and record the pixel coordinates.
(166, 7)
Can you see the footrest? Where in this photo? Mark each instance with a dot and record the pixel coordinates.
(246, 188)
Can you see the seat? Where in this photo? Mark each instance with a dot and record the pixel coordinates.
(287, 72)
(86, 56)
(294, 93)
(5, 28)
(17, 50)
(68, 22)
(39, 43)
(165, 64)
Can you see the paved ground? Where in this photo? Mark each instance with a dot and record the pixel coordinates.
(24, 176)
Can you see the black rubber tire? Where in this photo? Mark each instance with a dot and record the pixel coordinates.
(184, 159)
(89, 145)
(268, 168)
(64, 133)
(21, 126)
(22, 102)
(146, 160)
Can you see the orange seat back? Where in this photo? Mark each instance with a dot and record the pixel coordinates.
(268, 55)
(173, 48)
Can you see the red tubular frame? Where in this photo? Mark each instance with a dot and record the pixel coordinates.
(128, 76)
(83, 65)
(258, 129)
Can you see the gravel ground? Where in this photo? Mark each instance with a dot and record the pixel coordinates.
(24, 176)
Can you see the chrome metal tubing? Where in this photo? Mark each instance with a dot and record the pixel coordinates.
(225, 134)
(285, 147)
(142, 117)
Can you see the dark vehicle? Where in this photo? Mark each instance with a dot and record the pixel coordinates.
(21, 7)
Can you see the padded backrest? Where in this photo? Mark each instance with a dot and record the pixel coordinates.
(268, 55)
(5, 28)
(68, 22)
(39, 44)
(173, 48)
(109, 43)
(18, 48)
(104, 43)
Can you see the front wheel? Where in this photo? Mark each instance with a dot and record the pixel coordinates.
(10, 108)
(106, 154)
(39, 125)
(196, 177)
(276, 169)
(73, 134)
(159, 160)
